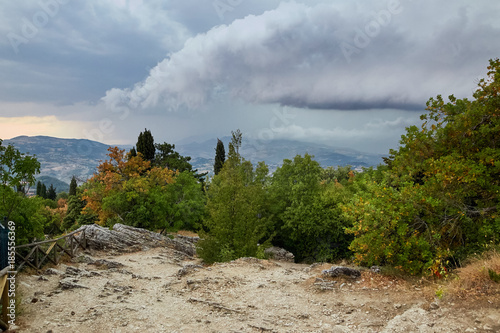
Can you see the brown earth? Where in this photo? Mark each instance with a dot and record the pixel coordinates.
(162, 290)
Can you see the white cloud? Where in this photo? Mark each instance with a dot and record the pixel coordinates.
(293, 55)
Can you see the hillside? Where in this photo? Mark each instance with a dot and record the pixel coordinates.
(63, 158)
(273, 152)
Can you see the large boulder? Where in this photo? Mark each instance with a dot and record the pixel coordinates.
(337, 271)
(123, 238)
(279, 254)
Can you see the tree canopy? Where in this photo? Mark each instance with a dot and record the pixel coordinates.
(437, 202)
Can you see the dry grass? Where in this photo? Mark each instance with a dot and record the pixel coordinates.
(473, 279)
(187, 233)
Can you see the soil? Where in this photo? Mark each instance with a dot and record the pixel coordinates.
(162, 290)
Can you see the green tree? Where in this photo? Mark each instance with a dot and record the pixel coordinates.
(438, 200)
(341, 175)
(307, 215)
(51, 193)
(236, 222)
(130, 191)
(73, 186)
(133, 152)
(167, 157)
(44, 192)
(146, 145)
(220, 157)
(19, 170)
(39, 188)
(185, 203)
(74, 215)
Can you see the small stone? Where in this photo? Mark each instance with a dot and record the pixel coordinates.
(434, 306)
(72, 313)
(70, 283)
(53, 271)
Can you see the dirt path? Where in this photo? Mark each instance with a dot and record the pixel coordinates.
(159, 290)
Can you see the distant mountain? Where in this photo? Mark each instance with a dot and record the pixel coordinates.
(59, 185)
(62, 158)
(273, 152)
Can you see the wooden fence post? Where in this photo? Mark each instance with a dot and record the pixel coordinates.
(4, 295)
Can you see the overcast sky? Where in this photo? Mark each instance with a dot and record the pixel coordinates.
(346, 73)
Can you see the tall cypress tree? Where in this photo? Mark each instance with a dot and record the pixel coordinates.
(220, 156)
(51, 193)
(146, 145)
(72, 186)
(43, 191)
(133, 152)
(39, 188)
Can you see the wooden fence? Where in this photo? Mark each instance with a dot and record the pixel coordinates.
(35, 255)
(40, 253)
(4, 296)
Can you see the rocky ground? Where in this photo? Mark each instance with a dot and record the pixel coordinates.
(164, 290)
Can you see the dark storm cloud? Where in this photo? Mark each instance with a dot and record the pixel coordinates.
(328, 56)
(73, 51)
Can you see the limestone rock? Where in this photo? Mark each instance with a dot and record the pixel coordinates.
(125, 238)
(188, 269)
(107, 264)
(337, 271)
(279, 254)
(71, 283)
(53, 271)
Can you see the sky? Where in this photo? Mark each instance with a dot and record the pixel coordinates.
(346, 73)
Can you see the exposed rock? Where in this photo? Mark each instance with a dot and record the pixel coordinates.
(188, 269)
(53, 271)
(337, 271)
(79, 272)
(83, 259)
(279, 254)
(70, 283)
(73, 271)
(125, 238)
(122, 238)
(107, 264)
(183, 246)
(193, 240)
(434, 306)
(415, 319)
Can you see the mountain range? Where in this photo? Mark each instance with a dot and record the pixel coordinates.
(61, 159)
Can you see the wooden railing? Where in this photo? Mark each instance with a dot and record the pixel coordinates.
(4, 297)
(36, 255)
(50, 250)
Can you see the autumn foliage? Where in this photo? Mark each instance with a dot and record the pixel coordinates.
(128, 190)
